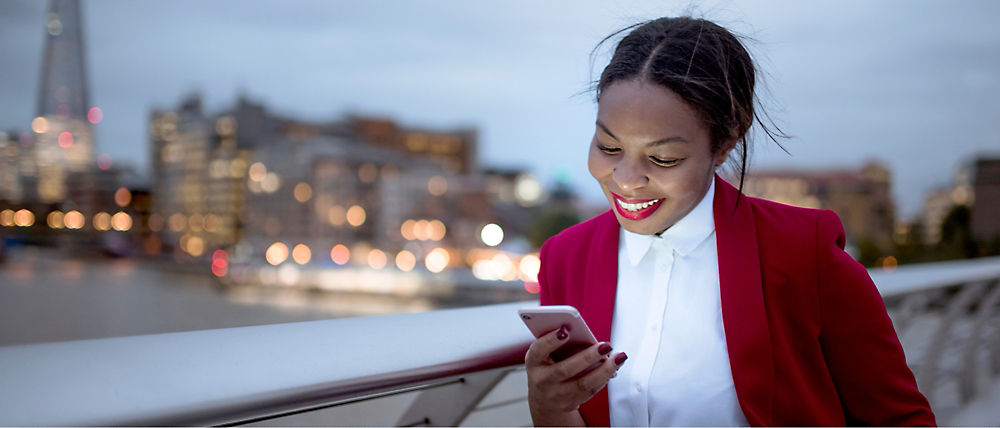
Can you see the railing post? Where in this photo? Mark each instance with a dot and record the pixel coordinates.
(449, 405)
(968, 380)
(927, 375)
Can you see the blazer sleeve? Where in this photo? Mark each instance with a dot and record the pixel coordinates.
(859, 343)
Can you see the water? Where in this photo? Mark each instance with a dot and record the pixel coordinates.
(47, 295)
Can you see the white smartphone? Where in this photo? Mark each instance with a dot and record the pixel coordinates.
(543, 319)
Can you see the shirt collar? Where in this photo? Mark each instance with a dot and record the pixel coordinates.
(683, 237)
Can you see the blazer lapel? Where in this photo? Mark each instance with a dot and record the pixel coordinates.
(743, 311)
(599, 304)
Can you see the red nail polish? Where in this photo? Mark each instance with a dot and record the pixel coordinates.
(604, 349)
(563, 333)
(621, 358)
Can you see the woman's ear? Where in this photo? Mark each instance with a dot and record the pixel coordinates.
(723, 154)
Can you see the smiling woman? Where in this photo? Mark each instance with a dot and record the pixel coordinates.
(730, 310)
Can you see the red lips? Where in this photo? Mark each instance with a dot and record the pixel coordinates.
(635, 215)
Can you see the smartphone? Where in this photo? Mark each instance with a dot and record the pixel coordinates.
(543, 319)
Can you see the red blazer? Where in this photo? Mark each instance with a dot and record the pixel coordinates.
(809, 339)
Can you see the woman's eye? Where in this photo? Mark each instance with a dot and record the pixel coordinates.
(664, 162)
(608, 150)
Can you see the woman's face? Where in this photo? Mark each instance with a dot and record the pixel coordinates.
(651, 154)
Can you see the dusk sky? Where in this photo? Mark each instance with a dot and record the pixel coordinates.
(915, 84)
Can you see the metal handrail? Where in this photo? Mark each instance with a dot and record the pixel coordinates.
(230, 375)
(237, 375)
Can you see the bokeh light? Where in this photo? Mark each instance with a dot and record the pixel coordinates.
(55, 219)
(74, 220)
(257, 171)
(177, 222)
(437, 260)
(337, 215)
(437, 185)
(195, 246)
(276, 254)
(7, 217)
(123, 196)
(24, 218)
(95, 115)
(356, 216)
(301, 254)
(303, 192)
(405, 261)
(407, 230)
(123, 222)
(435, 230)
(65, 140)
(40, 125)
(104, 162)
(377, 259)
(102, 221)
(340, 254)
(367, 173)
(155, 222)
(492, 234)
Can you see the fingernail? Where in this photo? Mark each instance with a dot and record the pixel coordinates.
(621, 358)
(604, 349)
(563, 333)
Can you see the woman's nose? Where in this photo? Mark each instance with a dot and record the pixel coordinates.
(628, 177)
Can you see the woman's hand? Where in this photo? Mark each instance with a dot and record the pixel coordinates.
(557, 389)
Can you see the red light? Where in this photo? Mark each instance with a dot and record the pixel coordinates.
(532, 287)
(220, 255)
(104, 162)
(95, 115)
(219, 270)
(65, 140)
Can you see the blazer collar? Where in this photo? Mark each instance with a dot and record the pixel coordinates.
(743, 314)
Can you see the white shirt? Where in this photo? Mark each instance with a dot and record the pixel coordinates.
(668, 320)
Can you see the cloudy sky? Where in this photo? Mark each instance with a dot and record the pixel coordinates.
(915, 84)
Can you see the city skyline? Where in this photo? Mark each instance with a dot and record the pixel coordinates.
(909, 84)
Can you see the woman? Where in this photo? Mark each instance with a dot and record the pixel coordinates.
(732, 310)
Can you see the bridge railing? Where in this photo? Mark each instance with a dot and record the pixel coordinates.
(453, 357)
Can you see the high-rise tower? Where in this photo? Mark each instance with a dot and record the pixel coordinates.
(64, 151)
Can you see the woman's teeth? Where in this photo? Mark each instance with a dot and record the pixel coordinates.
(636, 207)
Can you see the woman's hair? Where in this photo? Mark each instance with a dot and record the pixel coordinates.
(703, 63)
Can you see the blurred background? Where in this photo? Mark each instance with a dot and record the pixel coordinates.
(184, 165)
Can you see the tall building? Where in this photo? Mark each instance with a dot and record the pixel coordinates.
(861, 197)
(64, 143)
(986, 209)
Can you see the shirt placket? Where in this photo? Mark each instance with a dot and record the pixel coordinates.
(650, 347)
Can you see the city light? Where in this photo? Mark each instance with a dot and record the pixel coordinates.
(74, 220)
(527, 190)
(437, 260)
(95, 115)
(337, 215)
(7, 217)
(377, 259)
(492, 234)
(257, 171)
(435, 230)
(532, 287)
(40, 125)
(356, 216)
(420, 230)
(24, 218)
(276, 254)
(123, 196)
(177, 222)
(123, 222)
(437, 185)
(405, 261)
(407, 230)
(211, 223)
(220, 263)
(195, 222)
(303, 192)
(155, 222)
(289, 275)
(102, 221)
(104, 162)
(55, 219)
(301, 254)
(271, 183)
(340, 254)
(65, 140)
(195, 246)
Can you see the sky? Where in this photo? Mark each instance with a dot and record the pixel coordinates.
(914, 84)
